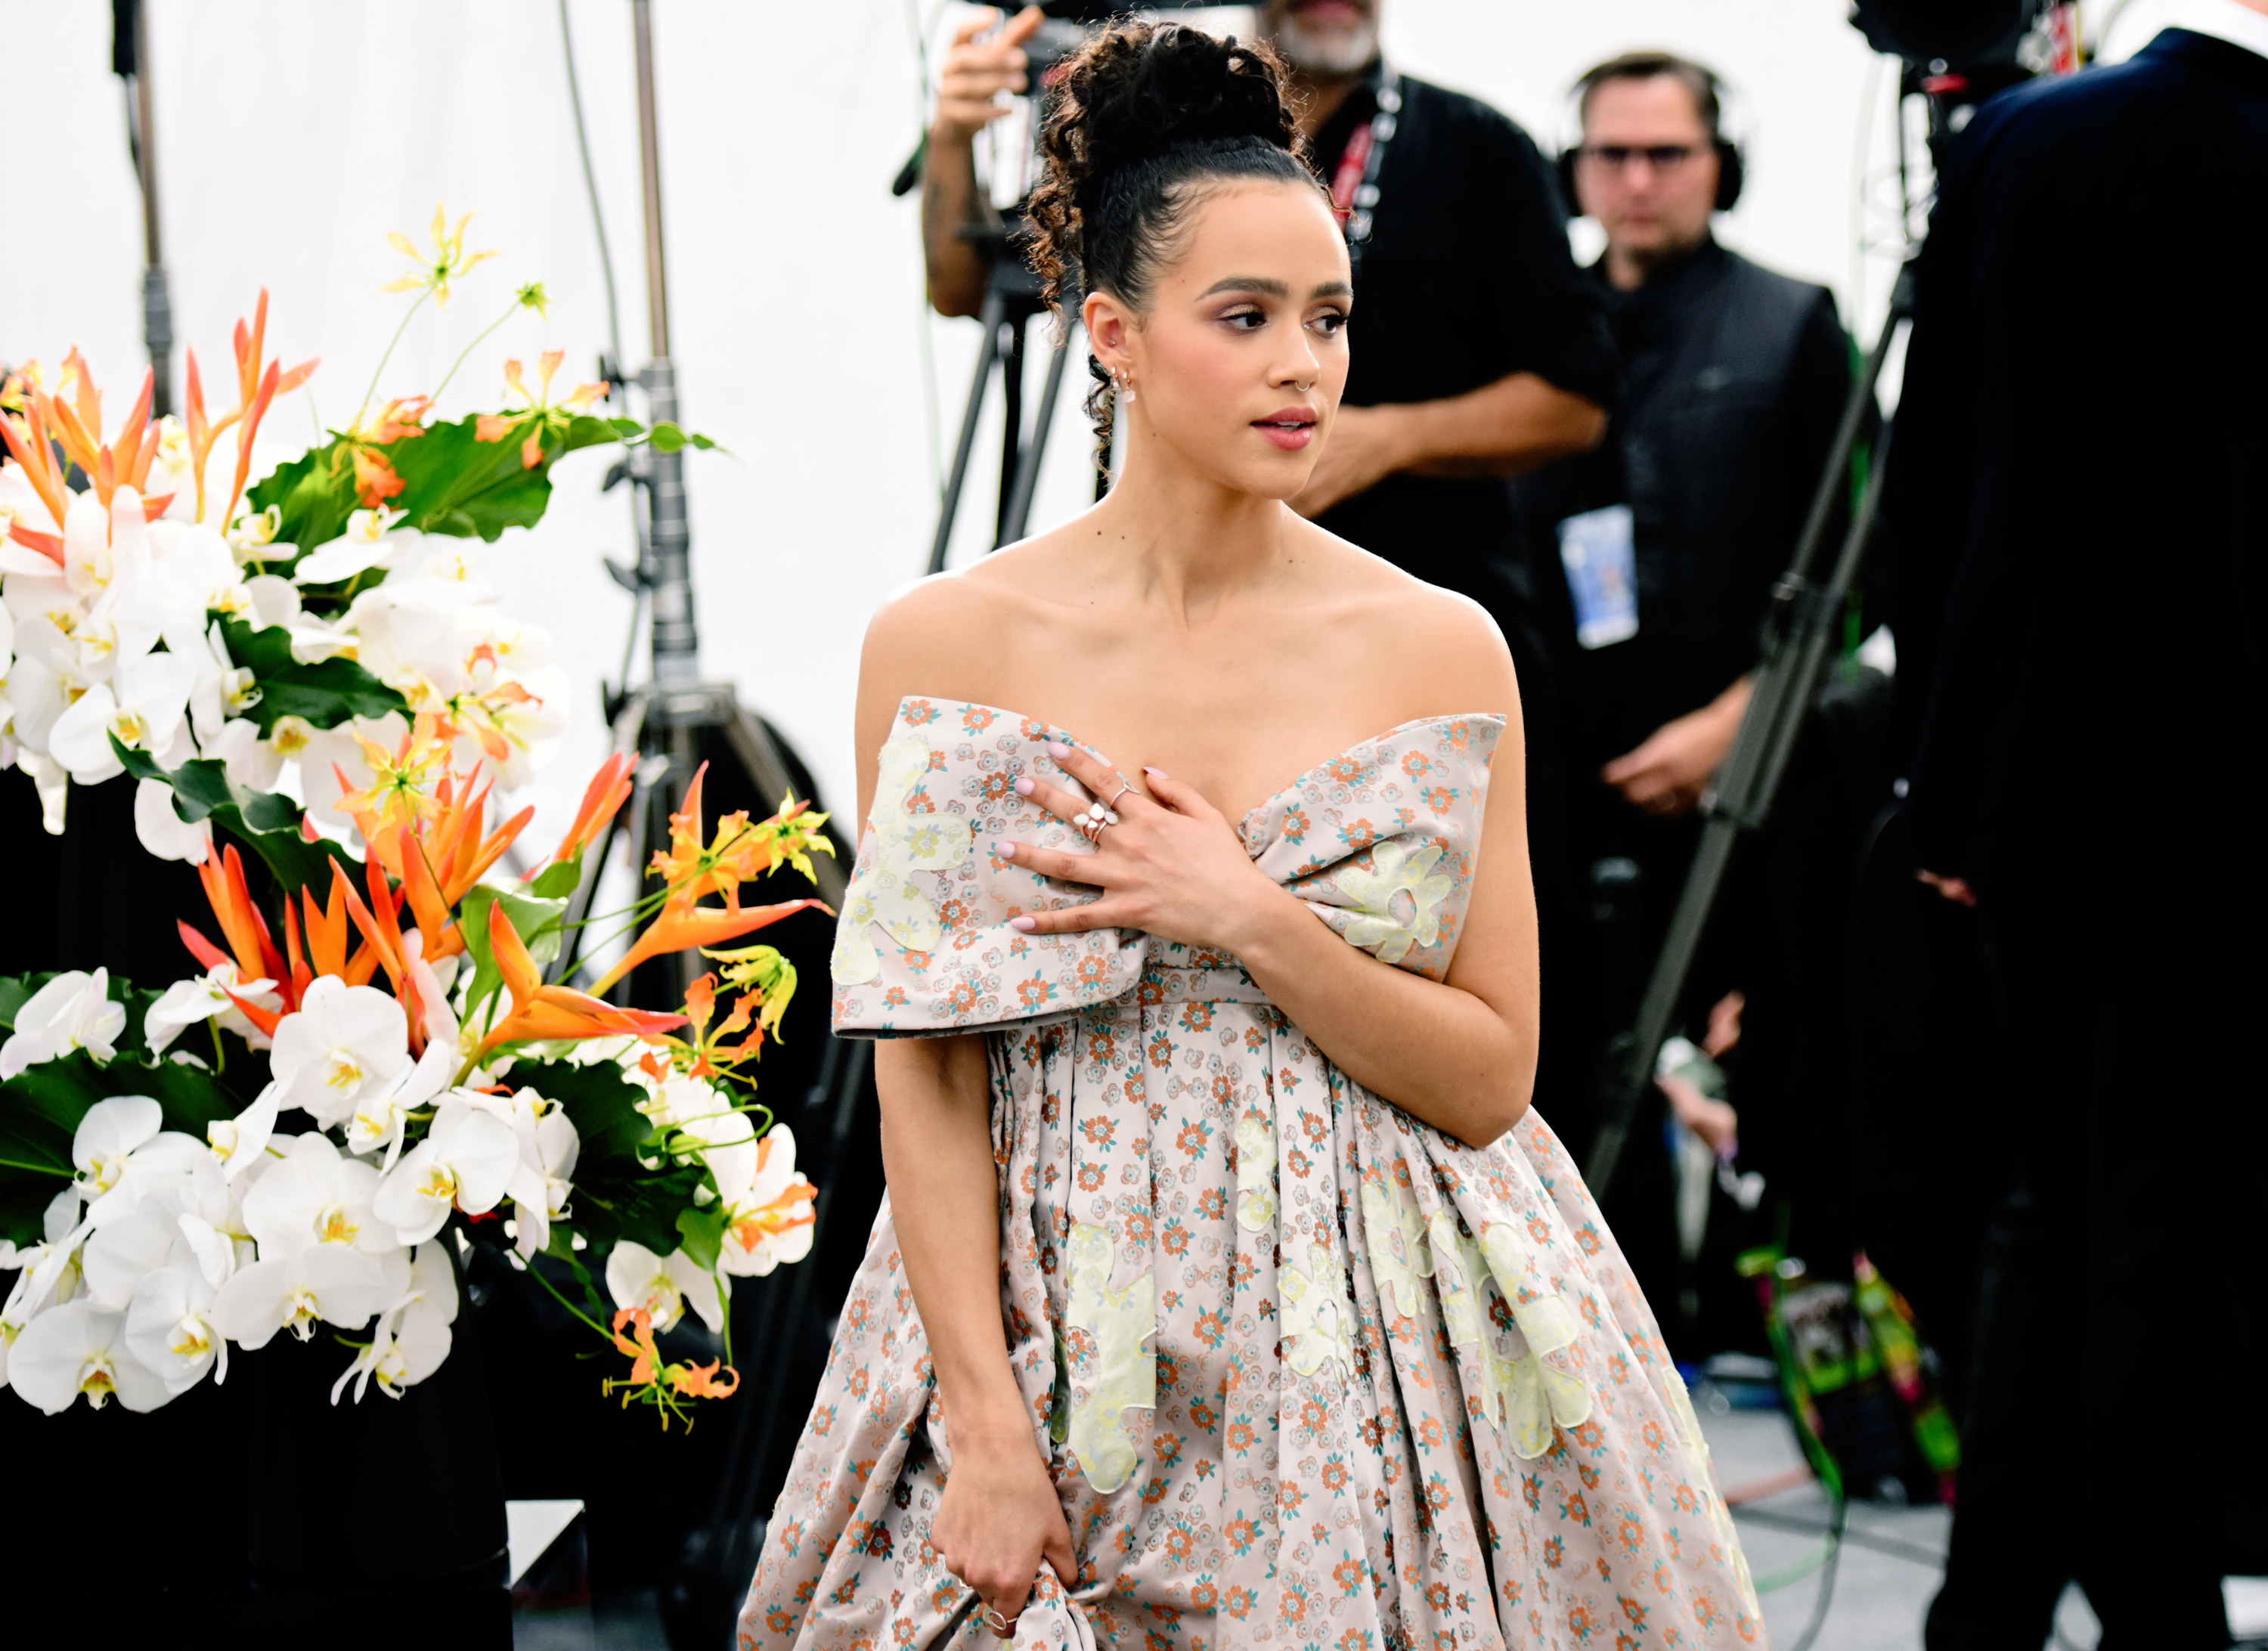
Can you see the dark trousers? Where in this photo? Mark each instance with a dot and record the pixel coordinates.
(2112, 1427)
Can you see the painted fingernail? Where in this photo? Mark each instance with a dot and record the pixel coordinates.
(1023, 926)
(1159, 772)
(1058, 750)
(1007, 850)
(1023, 788)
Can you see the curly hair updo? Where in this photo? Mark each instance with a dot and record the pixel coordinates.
(1143, 115)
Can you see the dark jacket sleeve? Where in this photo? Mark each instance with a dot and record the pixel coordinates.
(1551, 319)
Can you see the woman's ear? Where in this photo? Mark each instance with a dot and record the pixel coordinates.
(1109, 325)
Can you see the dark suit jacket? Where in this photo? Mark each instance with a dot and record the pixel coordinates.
(2078, 481)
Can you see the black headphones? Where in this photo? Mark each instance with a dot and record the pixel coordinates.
(1708, 95)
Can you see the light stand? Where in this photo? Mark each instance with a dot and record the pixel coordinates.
(129, 60)
(665, 719)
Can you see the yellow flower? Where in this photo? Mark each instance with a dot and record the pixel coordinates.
(445, 263)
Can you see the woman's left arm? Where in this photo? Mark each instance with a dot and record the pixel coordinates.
(1460, 1055)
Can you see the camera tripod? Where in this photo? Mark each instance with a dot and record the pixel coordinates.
(1011, 302)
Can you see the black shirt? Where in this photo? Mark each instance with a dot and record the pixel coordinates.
(1466, 279)
(1733, 379)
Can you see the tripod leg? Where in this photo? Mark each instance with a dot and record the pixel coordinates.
(1012, 422)
(1018, 513)
(995, 307)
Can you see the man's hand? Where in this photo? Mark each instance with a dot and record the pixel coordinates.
(1667, 774)
(1364, 446)
(976, 72)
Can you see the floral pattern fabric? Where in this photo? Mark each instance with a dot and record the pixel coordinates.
(1307, 1372)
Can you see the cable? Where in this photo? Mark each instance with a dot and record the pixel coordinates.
(1825, 1560)
(590, 186)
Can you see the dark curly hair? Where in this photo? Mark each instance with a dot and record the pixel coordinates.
(1140, 115)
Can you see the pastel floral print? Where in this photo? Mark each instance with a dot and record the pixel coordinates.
(900, 842)
(1399, 876)
(1305, 1372)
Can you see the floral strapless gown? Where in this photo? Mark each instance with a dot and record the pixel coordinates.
(1306, 1372)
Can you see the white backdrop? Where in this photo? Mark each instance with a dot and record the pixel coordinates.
(292, 137)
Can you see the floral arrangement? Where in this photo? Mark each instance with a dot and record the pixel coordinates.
(370, 1071)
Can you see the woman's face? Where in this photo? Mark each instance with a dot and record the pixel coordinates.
(1238, 367)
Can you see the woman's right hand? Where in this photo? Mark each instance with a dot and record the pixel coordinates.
(975, 72)
(999, 1519)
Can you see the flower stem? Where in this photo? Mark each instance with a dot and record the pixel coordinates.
(220, 1051)
(536, 1273)
(44, 1169)
(387, 356)
(468, 349)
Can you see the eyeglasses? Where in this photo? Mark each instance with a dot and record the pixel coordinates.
(1664, 157)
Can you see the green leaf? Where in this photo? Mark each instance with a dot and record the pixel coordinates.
(701, 1235)
(42, 1106)
(15, 990)
(327, 694)
(616, 1196)
(558, 881)
(315, 493)
(266, 823)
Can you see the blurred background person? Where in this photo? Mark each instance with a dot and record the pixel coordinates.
(2078, 501)
(1661, 549)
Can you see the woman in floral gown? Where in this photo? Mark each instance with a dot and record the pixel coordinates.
(1228, 1294)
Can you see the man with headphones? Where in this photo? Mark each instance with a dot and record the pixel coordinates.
(1660, 549)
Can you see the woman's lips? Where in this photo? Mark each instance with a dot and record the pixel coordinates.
(1289, 428)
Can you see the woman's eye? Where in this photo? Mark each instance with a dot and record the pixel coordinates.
(1331, 323)
(1245, 321)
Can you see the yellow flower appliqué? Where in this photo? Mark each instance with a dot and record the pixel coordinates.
(1395, 1232)
(1115, 1324)
(904, 843)
(1255, 1172)
(1402, 880)
(1315, 1314)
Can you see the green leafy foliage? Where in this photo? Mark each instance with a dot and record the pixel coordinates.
(616, 1196)
(263, 822)
(327, 694)
(452, 482)
(42, 1106)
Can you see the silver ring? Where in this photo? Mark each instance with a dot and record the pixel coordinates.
(1124, 787)
(1002, 1627)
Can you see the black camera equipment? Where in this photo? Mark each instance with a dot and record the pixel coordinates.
(129, 61)
(1805, 609)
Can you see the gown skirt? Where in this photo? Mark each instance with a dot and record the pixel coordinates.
(1306, 1372)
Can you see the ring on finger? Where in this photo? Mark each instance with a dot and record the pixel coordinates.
(1003, 1628)
(1125, 786)
(1091, 822)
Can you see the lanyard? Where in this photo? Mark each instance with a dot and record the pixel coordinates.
(1354, 183)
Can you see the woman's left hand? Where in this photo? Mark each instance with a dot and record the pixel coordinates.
(1171, 867)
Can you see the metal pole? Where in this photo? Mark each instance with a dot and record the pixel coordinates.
(156, 299)
(676, 639)
(1016, 513)
(995, 306)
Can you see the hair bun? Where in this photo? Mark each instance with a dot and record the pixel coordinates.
(1139, 89)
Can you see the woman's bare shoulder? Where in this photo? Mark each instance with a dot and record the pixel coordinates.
(1441, 649)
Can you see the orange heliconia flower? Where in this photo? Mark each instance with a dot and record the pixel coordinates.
(608, 790)
(539, 1011)
(257, 387)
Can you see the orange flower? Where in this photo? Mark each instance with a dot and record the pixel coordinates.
(400, 790)
(539, 1011)
(652, 1381)
(608, 790)
(257, 388)
(684, 927)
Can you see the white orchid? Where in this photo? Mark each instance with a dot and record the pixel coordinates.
(369, 540)
(767, 1205)
(380, 1117)
(122, 1153)
(541, 1182)
(171, 1332)
(293, 1288)
(124, 1252)
(162, 830)
(411, 1338)
(664, 1288)
(80, 1348)
(144, 709)
(313, 1195)
(72, 1011)
(202, 998)
(49, 1274)
(465, 1162)
(239, 1142)
(343, 1044)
